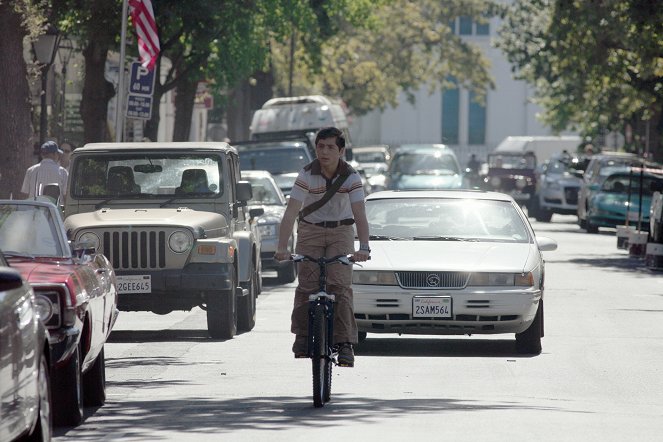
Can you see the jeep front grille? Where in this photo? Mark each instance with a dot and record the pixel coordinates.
(432, 280)
(135, 249)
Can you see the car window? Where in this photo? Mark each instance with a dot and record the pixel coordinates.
(29, 230)
(415, 163)
(147, 174)
(274, 160)
(621, 184)
(369, 157)
(483, 220)
(508, 161)
(264, 192)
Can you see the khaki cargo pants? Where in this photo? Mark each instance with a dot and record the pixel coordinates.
(317, 241)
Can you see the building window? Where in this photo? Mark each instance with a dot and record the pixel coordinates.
(465, 26)
(450, 116)
(476, 122)
(483, 28)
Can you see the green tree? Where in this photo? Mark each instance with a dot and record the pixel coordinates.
(596, 65)
(401, 46)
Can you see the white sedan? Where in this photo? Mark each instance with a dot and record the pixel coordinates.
(451, 263)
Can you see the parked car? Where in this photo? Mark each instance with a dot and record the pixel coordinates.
(25, 398)
(618, 199)
(77, 297)
(268, 196)
(282, 158)
(451, 262)
(558, 186)
(599, 166)
(373, 159)
(421, 167)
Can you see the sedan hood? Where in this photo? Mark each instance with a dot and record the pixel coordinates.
(449, 256)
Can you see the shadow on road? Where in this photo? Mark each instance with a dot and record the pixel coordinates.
(439, 347)
(141, 420)
(614, 263)
(164, 335)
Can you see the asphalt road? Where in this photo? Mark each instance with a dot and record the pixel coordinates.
(599, 377)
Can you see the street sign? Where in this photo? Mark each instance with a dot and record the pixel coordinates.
(139, 106)
(141, 80)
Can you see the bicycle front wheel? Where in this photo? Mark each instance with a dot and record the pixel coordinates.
(319, 359)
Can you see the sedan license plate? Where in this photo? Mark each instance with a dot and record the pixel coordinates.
(431, 307)
(134, 284)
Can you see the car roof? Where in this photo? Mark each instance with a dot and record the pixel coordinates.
(450, 194)
(156, 146)
(380, 148)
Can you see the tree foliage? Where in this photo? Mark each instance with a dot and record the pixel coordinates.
(400, 46)
(597, 65)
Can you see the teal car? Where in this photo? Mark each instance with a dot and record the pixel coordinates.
(619, 198)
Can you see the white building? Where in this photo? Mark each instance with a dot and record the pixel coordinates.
(451, 117)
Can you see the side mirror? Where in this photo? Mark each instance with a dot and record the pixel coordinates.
(253, 213)
(546, 244)
(10, 279)
(244, 191)
(656, 186)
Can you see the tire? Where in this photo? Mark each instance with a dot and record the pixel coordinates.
(362, 336)
(44, 428)
(591, 228)
(319, 356)
(543, 215)
(247, 307)
(529, 341)
(222, 312)
(287, 273)
(68, 392)
(94, 382)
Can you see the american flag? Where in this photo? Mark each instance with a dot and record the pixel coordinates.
(142, 17)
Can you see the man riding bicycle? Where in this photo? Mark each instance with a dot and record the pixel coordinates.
(332, 197)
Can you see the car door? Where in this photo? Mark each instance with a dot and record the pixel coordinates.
(17, 358)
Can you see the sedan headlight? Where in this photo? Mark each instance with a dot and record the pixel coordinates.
(89, 239)
(44, 308)
(502, 279)
(180, 242)
(47, 304)
(368, 277)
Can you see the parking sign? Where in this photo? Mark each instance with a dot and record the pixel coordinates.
(141, 81)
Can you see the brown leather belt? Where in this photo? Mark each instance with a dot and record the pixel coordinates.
(332, 224)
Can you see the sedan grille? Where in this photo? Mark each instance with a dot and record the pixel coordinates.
(135, 249)
(432, 280)
(571, 195)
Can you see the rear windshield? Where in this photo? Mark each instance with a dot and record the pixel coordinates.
(275, 160)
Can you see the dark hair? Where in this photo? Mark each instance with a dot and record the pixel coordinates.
(329, 132)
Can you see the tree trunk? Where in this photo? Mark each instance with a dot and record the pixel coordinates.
(244, 100)
(97, 92)
(16, 133)
(184, 101)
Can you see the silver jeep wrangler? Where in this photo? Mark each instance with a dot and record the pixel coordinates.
(172, 219)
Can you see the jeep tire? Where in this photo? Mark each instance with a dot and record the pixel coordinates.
(222, 313)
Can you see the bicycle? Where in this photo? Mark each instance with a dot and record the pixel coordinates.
(321, 350)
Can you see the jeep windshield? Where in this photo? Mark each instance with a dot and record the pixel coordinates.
(147, 175)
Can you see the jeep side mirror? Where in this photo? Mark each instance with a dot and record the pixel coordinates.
(244, 191)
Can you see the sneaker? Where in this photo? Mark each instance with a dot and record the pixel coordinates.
(300, 347)
(346, 357)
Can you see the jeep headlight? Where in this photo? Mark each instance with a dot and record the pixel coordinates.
(89, 239)
(180, 242)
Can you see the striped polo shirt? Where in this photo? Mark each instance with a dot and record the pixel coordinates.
(311, 185)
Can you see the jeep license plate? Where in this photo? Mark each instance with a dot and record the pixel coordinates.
(431, 307)
(134, 284)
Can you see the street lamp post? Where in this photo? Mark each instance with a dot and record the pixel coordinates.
(45, 47)
(65, 51)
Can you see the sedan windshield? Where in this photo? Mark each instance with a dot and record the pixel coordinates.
(264, 192)
(28, 230)
(443, 219)
(415, 163)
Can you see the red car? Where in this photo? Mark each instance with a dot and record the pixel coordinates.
(76, 299)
